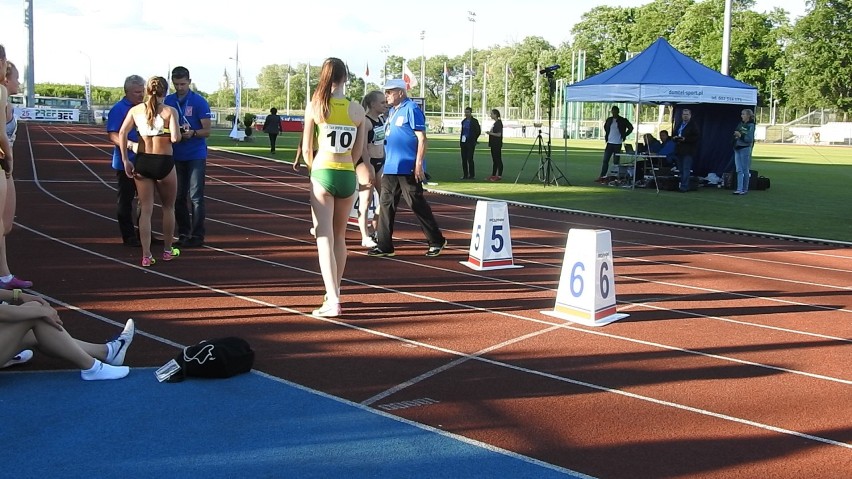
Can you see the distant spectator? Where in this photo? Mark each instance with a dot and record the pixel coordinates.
(616, 131)
(743, 144)
(686, 146)
(495, 143)
(272, 127)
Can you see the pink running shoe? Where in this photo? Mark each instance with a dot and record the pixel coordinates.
(16, 283)
(148, 261)
(170, 255)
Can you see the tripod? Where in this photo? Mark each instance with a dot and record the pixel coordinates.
(545, 173)
(537, 146)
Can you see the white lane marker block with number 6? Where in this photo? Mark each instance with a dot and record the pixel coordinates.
(586, 293)
(491, 239)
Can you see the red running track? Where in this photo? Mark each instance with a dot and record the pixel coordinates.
(734, 361)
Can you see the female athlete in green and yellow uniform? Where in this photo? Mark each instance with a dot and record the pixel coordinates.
(341, 133)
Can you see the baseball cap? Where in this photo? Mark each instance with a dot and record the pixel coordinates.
(396, 83)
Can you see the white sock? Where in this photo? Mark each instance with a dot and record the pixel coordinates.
(100, 371)
(7, 278)
(96, 366)
(110, 351)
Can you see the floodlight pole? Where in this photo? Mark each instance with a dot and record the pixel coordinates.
(772, 102)
(422, 61)
(726, 38)
(471, 17)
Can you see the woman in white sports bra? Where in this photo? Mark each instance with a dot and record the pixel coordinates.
(158, 128)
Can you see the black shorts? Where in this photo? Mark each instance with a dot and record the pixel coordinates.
(154, 167)
(377, 163)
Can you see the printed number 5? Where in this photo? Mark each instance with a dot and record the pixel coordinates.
(477, 238)
(497, 238)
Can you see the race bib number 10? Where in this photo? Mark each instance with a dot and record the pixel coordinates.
(337, 138)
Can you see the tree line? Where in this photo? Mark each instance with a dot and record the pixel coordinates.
(803, 63)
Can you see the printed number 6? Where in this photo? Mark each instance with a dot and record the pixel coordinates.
(576, 280)
(604, 280)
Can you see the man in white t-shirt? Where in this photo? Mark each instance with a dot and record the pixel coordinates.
(614, 138)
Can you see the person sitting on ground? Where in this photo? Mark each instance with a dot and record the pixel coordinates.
(27, 321)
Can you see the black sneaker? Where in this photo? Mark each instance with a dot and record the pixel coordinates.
(193, 242)
(436, 250)
(379, 253)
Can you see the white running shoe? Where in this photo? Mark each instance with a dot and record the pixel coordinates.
(20, 358)
(328, 310)
(102, 371)
(118, 346)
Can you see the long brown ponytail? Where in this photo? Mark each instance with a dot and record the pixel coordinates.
(333, 71)
(155, 88)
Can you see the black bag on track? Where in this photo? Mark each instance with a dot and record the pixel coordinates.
(214, 358)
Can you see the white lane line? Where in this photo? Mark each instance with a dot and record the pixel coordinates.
(452, 364)
(466, 356)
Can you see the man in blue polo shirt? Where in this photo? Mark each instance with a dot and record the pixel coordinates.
(134, 93)
(404, 171)
(190, 156)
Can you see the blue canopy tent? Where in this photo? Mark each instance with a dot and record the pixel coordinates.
(663, 75)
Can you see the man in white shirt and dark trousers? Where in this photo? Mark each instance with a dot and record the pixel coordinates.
(614, 138)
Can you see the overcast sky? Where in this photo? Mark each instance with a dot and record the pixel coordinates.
(117, 38)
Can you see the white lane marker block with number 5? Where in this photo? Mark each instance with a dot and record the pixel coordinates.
(491, 239)
(586, 293)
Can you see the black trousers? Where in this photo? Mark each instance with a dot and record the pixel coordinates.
(126, 194)
(394, 187)
(497, 160)
(611, 149)
(468, 169)
(273, 137)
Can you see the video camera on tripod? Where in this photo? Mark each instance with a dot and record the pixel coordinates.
(550, 69)
(545, 172)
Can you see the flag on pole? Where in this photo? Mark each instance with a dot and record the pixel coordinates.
(444, 94)
(238, 87)
(464, 82)
(307, 84)
(88, 93)
(367, 70)
(506, 90)
(235, 130)
(484, 89)
(537, 101)
(408, 77)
